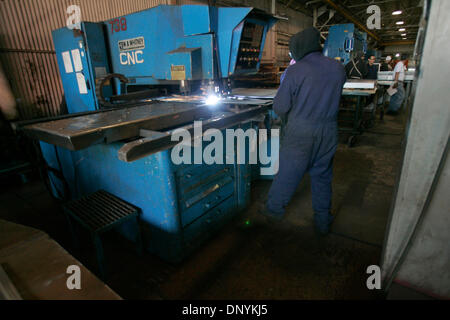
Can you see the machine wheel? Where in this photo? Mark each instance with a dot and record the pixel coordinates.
(368, 124)
(351, 141)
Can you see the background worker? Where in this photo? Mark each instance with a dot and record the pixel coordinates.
(386, 65)
(372, 69)
(356, 68)
(372, 74)
(384, 97)
(8, 108)
(399, 78)
(309, 98)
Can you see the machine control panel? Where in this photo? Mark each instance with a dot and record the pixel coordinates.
(250, 46)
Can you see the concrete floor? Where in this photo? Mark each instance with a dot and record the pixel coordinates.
(258, 261)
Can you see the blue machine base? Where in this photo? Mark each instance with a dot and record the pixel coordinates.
(181, 205)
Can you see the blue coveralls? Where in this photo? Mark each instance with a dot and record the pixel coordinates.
(309, 96)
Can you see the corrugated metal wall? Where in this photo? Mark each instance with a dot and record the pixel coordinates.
(285, 29)
(27, 52)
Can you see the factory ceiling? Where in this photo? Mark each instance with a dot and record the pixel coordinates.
(329, 12)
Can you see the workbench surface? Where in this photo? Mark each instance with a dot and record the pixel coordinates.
(36, 265)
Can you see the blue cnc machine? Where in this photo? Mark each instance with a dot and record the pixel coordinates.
(344, 41)
(120, 78)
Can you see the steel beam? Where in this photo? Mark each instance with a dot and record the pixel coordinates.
(397, 42)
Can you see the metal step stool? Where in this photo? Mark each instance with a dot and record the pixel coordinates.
(100, 212)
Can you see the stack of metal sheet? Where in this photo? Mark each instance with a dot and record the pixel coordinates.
(360, 84)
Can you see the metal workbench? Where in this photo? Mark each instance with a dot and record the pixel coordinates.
(153, 122)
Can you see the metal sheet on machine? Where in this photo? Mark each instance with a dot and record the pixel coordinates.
(152, 143)
(228, 100)
(258, 93)
(79, 132)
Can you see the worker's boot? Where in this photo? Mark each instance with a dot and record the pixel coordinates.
(270, 216)
(322, 223)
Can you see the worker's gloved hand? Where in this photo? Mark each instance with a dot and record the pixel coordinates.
(395, 86)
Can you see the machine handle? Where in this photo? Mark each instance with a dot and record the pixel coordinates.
(99, 87)
(348, 45)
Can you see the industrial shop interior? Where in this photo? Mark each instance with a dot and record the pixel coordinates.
(224, 150)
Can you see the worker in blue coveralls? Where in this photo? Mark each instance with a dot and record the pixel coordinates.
(308, 100)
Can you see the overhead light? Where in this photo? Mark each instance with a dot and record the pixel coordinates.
(403, 34)
(402, 29)
(396, 13)
(400, 22)
(397, 55)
